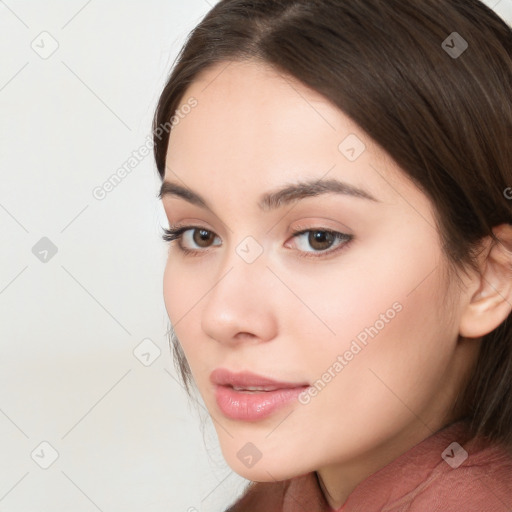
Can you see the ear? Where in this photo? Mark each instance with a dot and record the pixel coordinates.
(491, 290)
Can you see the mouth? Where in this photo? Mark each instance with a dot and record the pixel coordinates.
(247, 396)
(249, 381)
(254, 389)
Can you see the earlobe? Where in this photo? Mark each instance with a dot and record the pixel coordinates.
(491, 302)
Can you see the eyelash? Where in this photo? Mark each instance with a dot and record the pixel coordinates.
(170, 235)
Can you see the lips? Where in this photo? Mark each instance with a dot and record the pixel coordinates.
(250, 397)
(248, 381)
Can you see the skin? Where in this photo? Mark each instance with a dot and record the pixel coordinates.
(288, 317)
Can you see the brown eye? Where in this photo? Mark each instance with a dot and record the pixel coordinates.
(321, 240)
(203, 237)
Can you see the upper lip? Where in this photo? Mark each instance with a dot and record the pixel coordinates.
(224, 377)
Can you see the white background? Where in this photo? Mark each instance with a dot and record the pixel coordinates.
(126, 435)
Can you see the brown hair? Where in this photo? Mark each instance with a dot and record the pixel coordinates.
(445, 119)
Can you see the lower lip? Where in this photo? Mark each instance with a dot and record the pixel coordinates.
(254, 406)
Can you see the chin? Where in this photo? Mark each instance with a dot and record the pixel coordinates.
(254, 465)
(263, 472)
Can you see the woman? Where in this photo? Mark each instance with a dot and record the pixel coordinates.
(336, 176)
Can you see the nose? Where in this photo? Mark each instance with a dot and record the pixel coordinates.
(241, 306)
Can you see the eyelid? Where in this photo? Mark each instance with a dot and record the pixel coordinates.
(320, 224)
(191, 223)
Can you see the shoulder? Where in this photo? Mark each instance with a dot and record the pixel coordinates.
(479, 481)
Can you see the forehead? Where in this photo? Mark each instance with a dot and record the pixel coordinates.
(253, 121)
(251, 98)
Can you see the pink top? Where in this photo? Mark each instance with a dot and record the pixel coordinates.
(443, 473)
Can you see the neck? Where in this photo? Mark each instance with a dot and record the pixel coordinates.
(338, 481)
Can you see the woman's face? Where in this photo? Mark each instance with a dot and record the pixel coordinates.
(356, 306)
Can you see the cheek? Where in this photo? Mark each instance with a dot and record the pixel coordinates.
(182, 297)
(170, 289)
(389, 329)
(370, 283)
(181, 289)
(178, 294)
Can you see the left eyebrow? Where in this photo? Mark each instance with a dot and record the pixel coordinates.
(278, 198)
